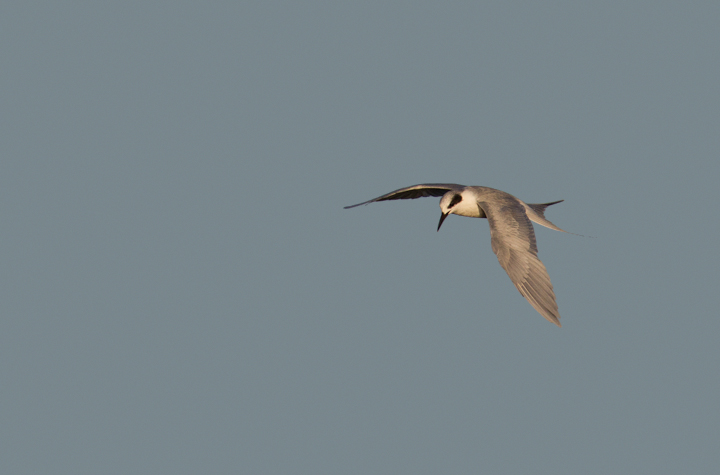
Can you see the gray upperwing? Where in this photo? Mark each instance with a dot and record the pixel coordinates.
(413, 192)
(513, 241)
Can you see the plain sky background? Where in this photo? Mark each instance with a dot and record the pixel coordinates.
(182, 292)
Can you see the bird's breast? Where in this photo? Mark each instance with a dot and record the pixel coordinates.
(469, 208)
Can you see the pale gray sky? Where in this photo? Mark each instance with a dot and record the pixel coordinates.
(183, 293)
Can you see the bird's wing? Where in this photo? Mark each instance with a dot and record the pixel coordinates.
(513, 241)
(416, 191)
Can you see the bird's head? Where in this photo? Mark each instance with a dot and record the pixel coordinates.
(447, 205)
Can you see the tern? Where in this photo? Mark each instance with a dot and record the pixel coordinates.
(511, 233)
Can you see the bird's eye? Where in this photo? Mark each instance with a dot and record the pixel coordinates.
(455, 200)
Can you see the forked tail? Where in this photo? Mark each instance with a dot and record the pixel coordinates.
(536, 213)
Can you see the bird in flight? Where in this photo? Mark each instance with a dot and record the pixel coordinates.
(511, 233)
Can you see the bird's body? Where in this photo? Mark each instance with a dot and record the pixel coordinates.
(511, 233)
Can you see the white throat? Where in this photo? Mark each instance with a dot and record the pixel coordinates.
(468, 207)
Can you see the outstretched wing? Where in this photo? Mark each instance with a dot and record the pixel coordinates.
(513, 241)
(413, 192)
